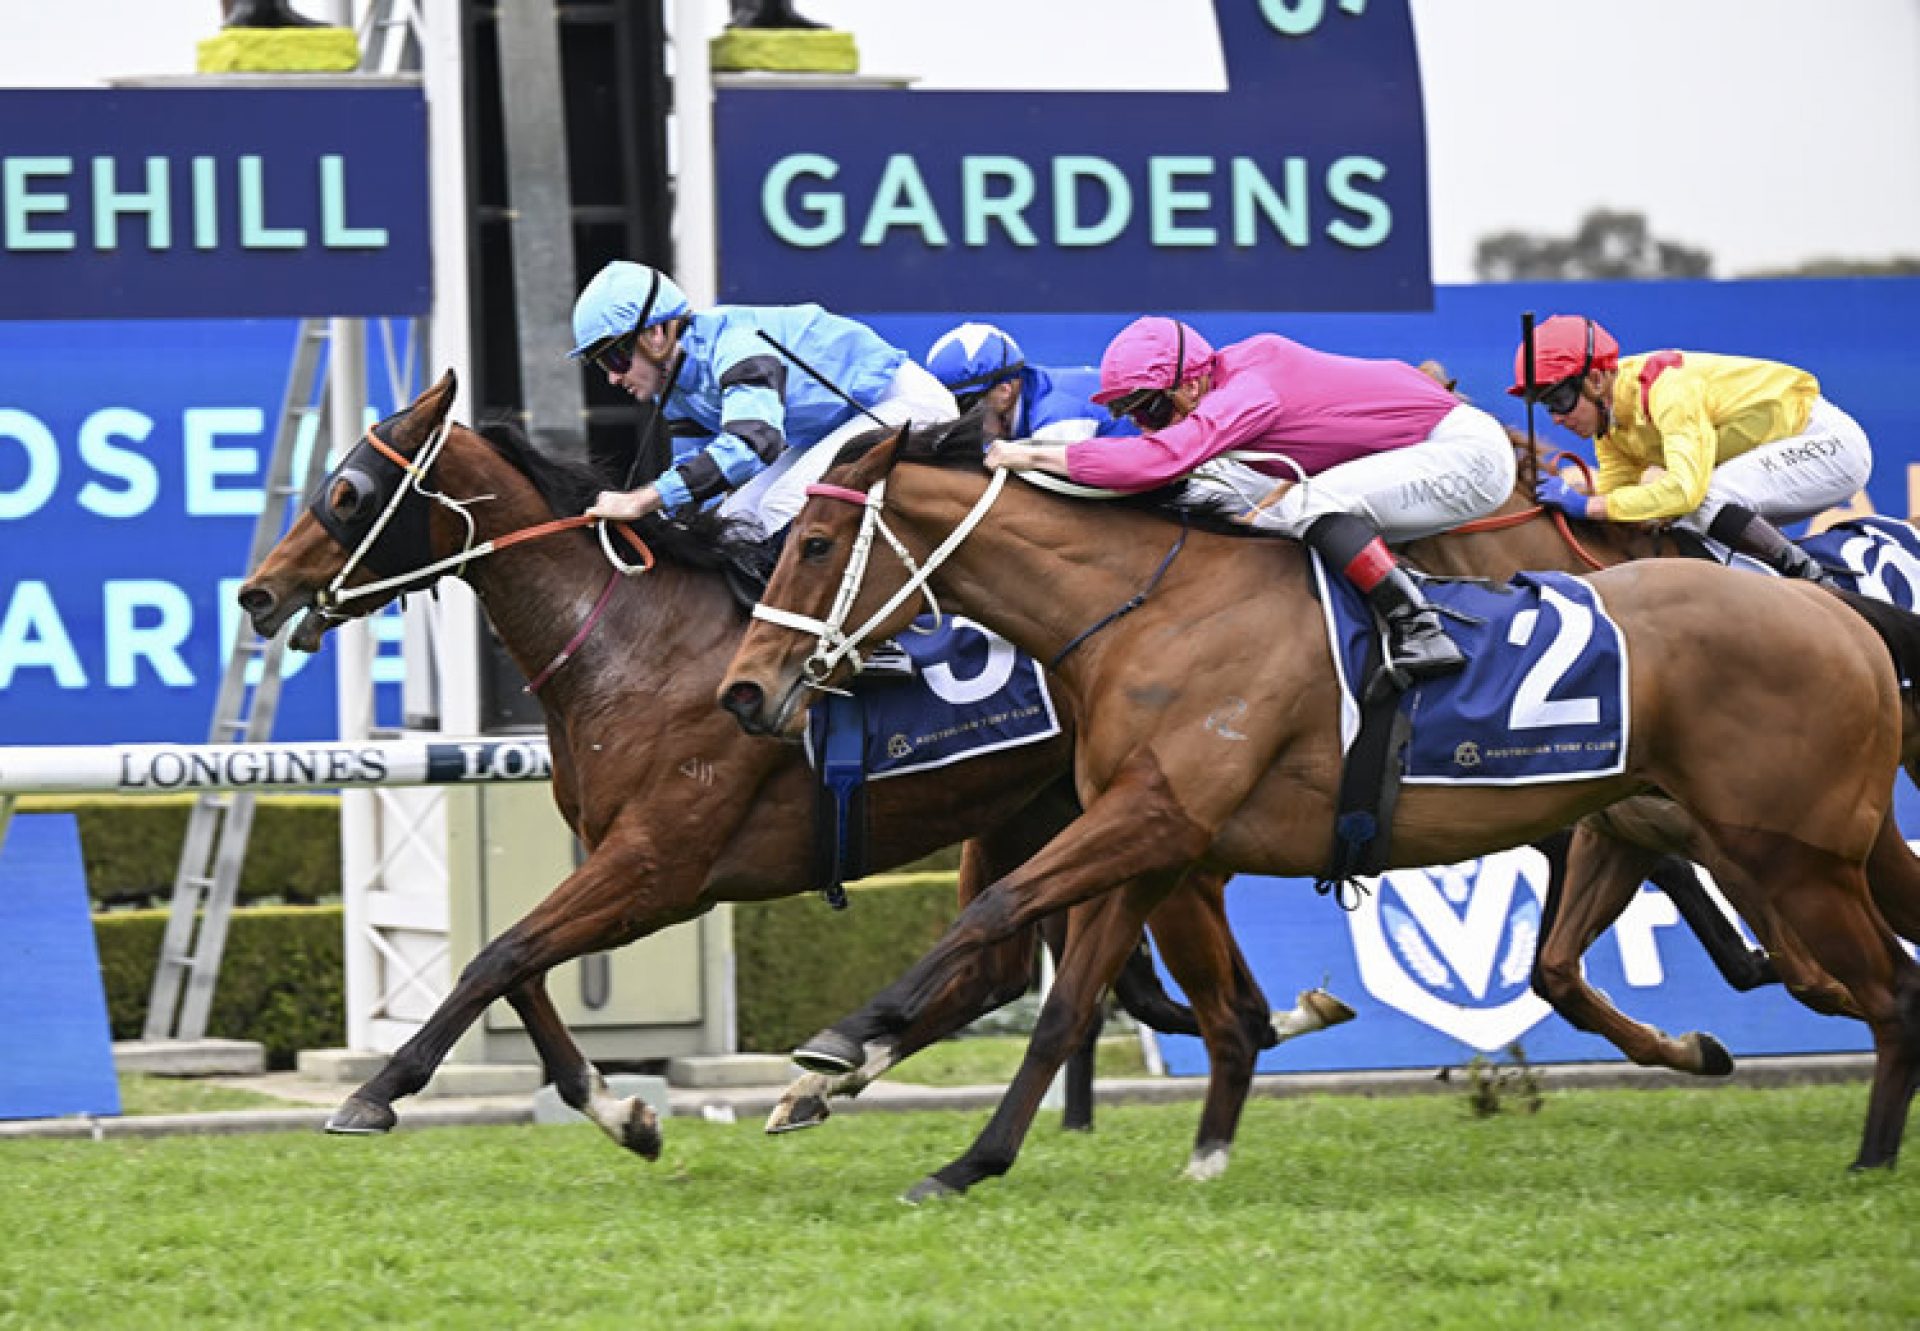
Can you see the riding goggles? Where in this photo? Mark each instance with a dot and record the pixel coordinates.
(616, 356)
(1560, 399)
(1149, 408)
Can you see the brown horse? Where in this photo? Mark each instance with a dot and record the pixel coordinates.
(1209, 737)
(677, 808)
(1614, 851)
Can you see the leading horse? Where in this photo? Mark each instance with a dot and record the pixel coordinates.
(1209, 737)
(677, 809)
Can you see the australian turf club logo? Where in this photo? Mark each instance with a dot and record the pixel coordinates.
(1452, 946)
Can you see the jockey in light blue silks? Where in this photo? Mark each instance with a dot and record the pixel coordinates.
(767, 428)
(977, 361)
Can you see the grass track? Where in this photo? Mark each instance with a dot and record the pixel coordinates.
(1620, 1209)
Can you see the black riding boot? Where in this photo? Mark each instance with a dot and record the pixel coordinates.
(1417, 647)
(1746, 531)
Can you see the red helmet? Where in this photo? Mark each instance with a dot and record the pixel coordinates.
(1563, 346)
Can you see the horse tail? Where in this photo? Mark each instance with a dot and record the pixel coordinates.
(1899, 629)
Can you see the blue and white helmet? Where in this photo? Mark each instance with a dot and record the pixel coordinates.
(622, 297)
(973, 358)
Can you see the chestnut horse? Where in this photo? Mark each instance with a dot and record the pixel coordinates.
(1614, 852)
(677, 809)
(1209, 741)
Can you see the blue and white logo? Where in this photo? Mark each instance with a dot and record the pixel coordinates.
(1452, 946)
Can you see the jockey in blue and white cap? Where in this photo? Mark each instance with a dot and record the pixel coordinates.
(978, 360)
(765, 428)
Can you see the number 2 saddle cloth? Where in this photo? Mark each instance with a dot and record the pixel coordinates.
(1543, 696)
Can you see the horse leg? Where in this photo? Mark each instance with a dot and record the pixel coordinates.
(1824, 901)
(1603, 874)
(855, 1051)
(1190, 928)
(1101, 937)
(592, 910)
(1134, 828)
(631, 1121)
(1893, 872)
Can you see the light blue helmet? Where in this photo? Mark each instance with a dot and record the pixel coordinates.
(622, 297)
(973, 358)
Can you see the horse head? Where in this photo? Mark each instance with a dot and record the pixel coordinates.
(365, 527)
(826, 584)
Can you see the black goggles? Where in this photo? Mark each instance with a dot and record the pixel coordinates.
(1149, 408)
(1560, 399)
(616, 355)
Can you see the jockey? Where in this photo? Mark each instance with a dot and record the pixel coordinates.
(1723, 446)
(977, 361)
(768, 428)
(1390, 452)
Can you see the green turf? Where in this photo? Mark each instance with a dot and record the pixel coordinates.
(184, 1095)
(1724, 1208)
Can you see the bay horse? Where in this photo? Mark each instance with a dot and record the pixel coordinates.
(1208, 734)
(677, 809)
(1615, 850)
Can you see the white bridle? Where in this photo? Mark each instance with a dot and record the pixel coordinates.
(832, 644)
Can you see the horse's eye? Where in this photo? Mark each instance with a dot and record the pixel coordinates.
(815, 547)
(344, 500)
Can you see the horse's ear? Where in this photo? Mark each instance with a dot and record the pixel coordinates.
(873, 465)
(418, 422)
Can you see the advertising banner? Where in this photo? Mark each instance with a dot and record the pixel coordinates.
(175, 203)
(1301, 186)
(128, 497)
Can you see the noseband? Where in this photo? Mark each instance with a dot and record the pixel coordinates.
(832, 643)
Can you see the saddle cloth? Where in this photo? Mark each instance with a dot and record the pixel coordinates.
(971, 693)
(1543, 696)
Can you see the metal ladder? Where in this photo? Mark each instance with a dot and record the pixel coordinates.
(215, 849)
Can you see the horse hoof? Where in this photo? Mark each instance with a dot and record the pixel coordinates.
(1715, 1061)
(809, 1111)
(1207, 1163)
(642, 1132)
(361, 1118)
(830, 1053)
(928, 1189)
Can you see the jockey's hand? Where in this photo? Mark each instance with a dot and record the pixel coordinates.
(625, 506)
(1556, 493)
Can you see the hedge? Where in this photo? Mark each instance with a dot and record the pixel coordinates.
(798, 965)
(131, 846)
(281, 977)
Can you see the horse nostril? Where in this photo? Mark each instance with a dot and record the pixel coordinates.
(256, 600)
(742, 698)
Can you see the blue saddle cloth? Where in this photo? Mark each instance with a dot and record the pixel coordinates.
(1877, 557)
(972, 692)
(1543, 697)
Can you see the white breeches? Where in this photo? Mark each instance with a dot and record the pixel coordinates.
(1464, 470)
(776, 496)
(1790, 479)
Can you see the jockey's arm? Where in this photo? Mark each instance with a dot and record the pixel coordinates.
(1028, 455)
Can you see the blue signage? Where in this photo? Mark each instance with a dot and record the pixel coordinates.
(1303, 186)
(55, 1042)
(127, 505)
(213, 202)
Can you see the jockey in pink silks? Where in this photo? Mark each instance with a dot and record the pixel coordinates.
(1381, 453)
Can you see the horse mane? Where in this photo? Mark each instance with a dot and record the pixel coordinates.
(700, 541)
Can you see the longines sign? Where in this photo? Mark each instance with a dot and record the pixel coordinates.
(1303, 186)
(220, 202)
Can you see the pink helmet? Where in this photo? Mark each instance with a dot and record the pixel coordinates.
(1563, 346)
(1154, 352)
